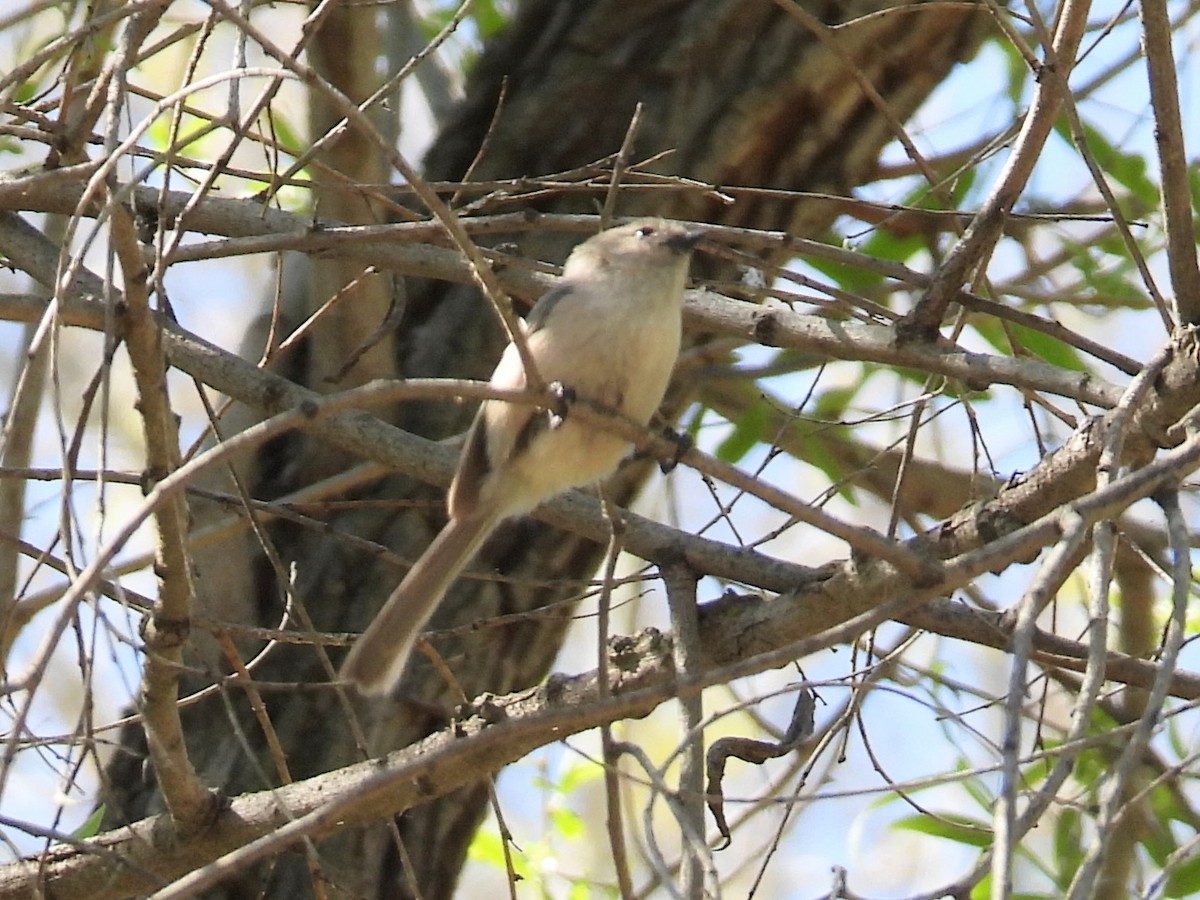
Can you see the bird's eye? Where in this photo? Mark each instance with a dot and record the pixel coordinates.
(645, 231)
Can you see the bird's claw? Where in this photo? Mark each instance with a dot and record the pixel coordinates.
(563, 396)
(683, 443)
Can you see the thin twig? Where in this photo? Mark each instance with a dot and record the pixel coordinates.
(484, 144)
(680, 582)
(1172, 159)
(190, 802)
(479, 265)
(613, 818)
(1114, 790)
(620, 164)
(977, 243)
(1057, 567)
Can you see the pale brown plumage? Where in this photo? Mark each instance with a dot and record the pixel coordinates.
(610, 333)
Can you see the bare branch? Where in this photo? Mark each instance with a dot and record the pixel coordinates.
(977, 243)
(165, 632)
(1172, 160)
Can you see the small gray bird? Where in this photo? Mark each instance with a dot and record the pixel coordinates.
(609, 332)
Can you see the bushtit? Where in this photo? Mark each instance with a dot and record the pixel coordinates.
(609, 333)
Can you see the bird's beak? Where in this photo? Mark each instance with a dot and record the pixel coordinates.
(684, 241)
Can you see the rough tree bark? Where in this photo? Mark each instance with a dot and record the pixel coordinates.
(743, 94)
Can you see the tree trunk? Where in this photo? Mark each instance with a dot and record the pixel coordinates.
(743, 94)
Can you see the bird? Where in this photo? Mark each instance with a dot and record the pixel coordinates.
(608, 333)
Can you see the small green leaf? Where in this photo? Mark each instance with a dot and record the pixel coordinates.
(1166, 806)
(949, 826)
(1112, 244)
(487, 848)
(567, 823)
(1068, 853)
(975, 790)
(748, 432)
(848, 278)
(1159, 845)
(577, 775)
(286, 135)
(488, 17)
(694, 421)
(1038, 343)
(583, 889)
(1184, 880)
(1050, 349)
(1179, 744)
(1018, 71)
(91, 825)
(1127, 169)
(832, 404)
(1118, 287)
(822, 455)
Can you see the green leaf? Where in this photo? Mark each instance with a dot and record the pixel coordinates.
(488, 848)
(29, 89)
(190, 138)
(286, 135)
(1117, 286)
(566, 822)
(583, 889)
(1159, 845)
(1050, 349)
(1089, 769)
(692, 427)
(25, 93)
(890, 244)
(1127, 169)
(1030, 340)
(983, 891)
(1184, 881)
(1068, 853)
(748, 432)
(983, 798)
(575, 776)
(1166, 806)
(91, 825)
(832, 404)
(1017, 70)
(848, 278)
(1114, 245)
(1179, 745)
(488, 17)
(949, 826)
(1194, 187)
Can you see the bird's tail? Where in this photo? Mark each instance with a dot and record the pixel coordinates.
(377, 660)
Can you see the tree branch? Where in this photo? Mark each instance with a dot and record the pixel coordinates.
(977, 243)
(1172, 160)
(165, 631)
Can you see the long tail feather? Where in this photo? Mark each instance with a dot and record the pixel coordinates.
(377, 660)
